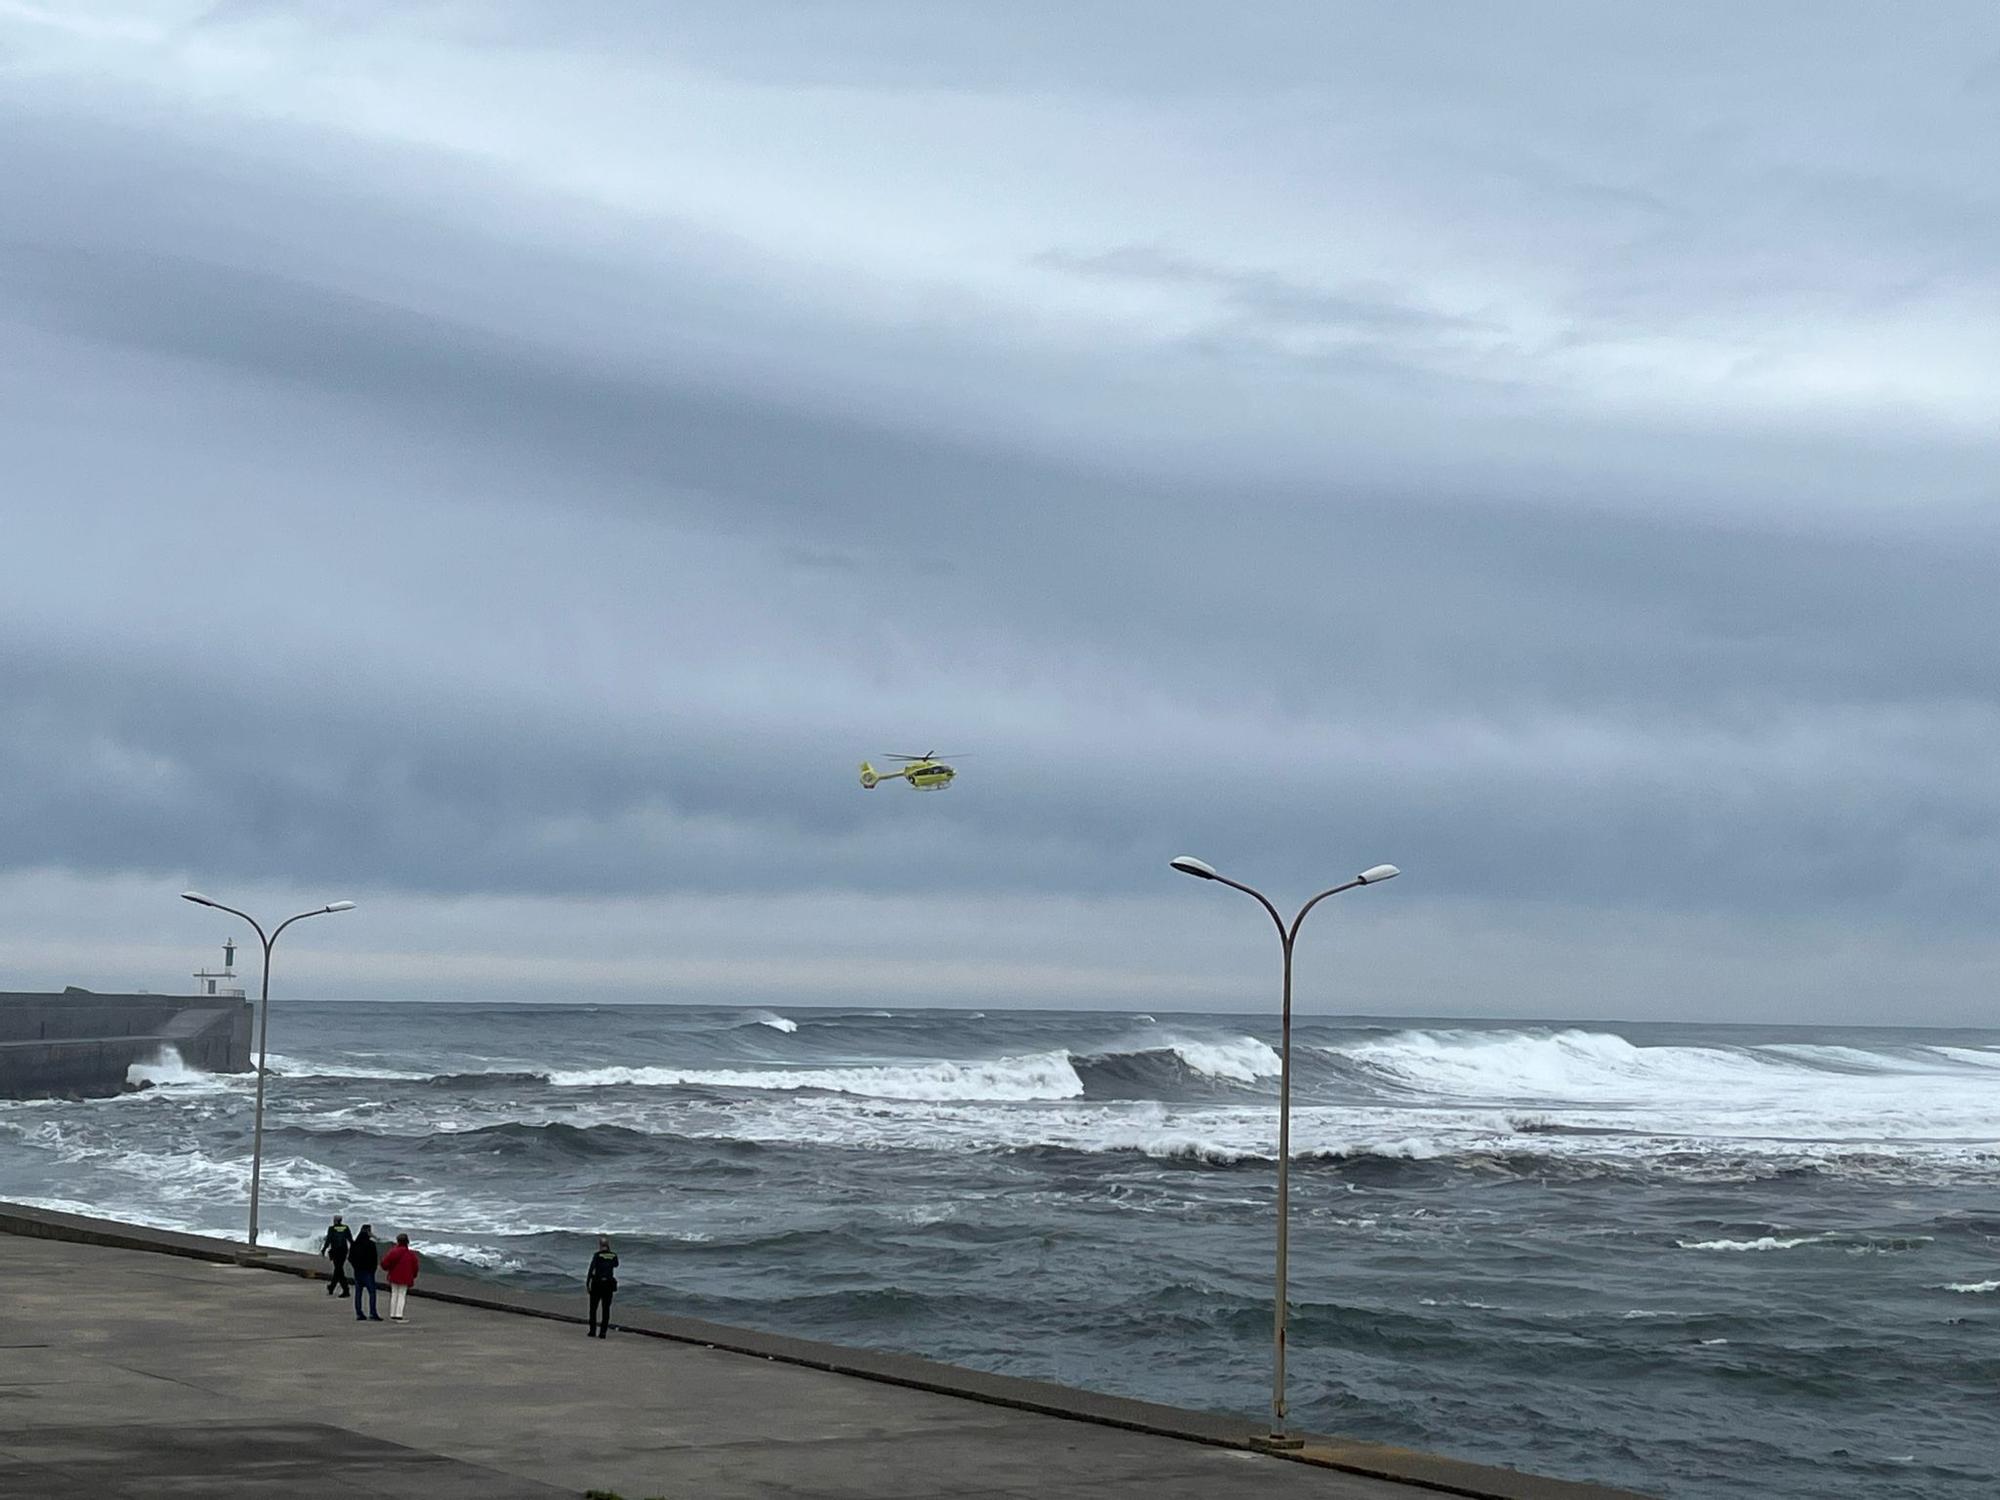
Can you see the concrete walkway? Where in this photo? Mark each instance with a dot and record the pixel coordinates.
(125, 1372)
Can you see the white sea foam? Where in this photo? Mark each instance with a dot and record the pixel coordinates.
(194, 1176)
(301, 1067)
(1046, 1075)
(1243, 1059)
(1569, 1065)
(1763, 1242)
(167, 1069)
(1971, 1288)
(771, 1019)
(1887, 1101)
(1014, 1103)
(1975, 1057)
(483, 1257)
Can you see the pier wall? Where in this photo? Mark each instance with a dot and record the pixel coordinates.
(79, 1044)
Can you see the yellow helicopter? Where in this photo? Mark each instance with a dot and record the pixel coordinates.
(925, 772)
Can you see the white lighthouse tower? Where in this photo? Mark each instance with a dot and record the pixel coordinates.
(220, 983)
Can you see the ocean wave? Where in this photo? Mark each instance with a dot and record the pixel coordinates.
(932, 1108)
(1893, 1093)
(499, 1079)
(479, 1257)
(1763, 1242)
(1047, 1075)
(1241, 1059)
(1970, 1288)
(299, 1067)
(554, 1139)
(1174, 1069)
(194, 1175)
(1409, 1162)
(1571, 1064)
(1972, 1057)
(1577, 1082)
(168, 1070)
(304, 1069)
(1178, 1068)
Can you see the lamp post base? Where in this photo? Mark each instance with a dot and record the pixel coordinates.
(1277, 1442)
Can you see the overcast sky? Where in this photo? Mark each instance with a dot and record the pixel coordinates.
(506, 464)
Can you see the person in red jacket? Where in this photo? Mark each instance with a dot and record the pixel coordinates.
(399, 1264)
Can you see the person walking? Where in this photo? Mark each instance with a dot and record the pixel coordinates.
(364, 1257)
(334, 1245)
(601, 1280)
(399, 1264)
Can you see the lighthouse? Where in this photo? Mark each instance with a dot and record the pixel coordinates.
(220, 983)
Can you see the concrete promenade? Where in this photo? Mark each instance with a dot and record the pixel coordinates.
(157, 1365)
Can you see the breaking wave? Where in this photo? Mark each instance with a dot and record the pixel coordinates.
(1175, 1069)
(167, 1069)
(1178, 1068)
(298, 1067)
(1047, 1075)
(1581, 1066)
(1853, 1244)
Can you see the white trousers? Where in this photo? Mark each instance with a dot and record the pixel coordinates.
(398, 1295)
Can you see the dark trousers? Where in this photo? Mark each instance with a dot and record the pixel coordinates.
(364, 1281)
(339, 1281)
(600, 1310)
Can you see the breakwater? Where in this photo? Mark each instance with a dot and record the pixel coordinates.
(77, 1044)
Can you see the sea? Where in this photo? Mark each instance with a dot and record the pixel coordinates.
(1714, 1261)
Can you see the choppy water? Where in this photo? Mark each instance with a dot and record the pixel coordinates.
(1701, 1261)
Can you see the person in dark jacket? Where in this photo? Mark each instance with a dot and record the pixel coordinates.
(364, 1257)
(334, 1246)
(601, 1280)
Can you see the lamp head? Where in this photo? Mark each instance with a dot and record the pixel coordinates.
(197, 898)
(1187, 864)
(1377, 874)
(340, 906)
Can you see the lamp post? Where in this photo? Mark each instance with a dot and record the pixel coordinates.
(263, 1028)
(1188, 865)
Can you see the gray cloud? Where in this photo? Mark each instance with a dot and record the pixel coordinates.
(405, 513)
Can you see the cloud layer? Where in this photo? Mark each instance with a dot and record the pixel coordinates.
(519, 459)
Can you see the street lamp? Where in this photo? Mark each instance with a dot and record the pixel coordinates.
(263, 1028)
(1187, 864)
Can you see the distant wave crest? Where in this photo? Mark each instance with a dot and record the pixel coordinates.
(1047, 1075)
